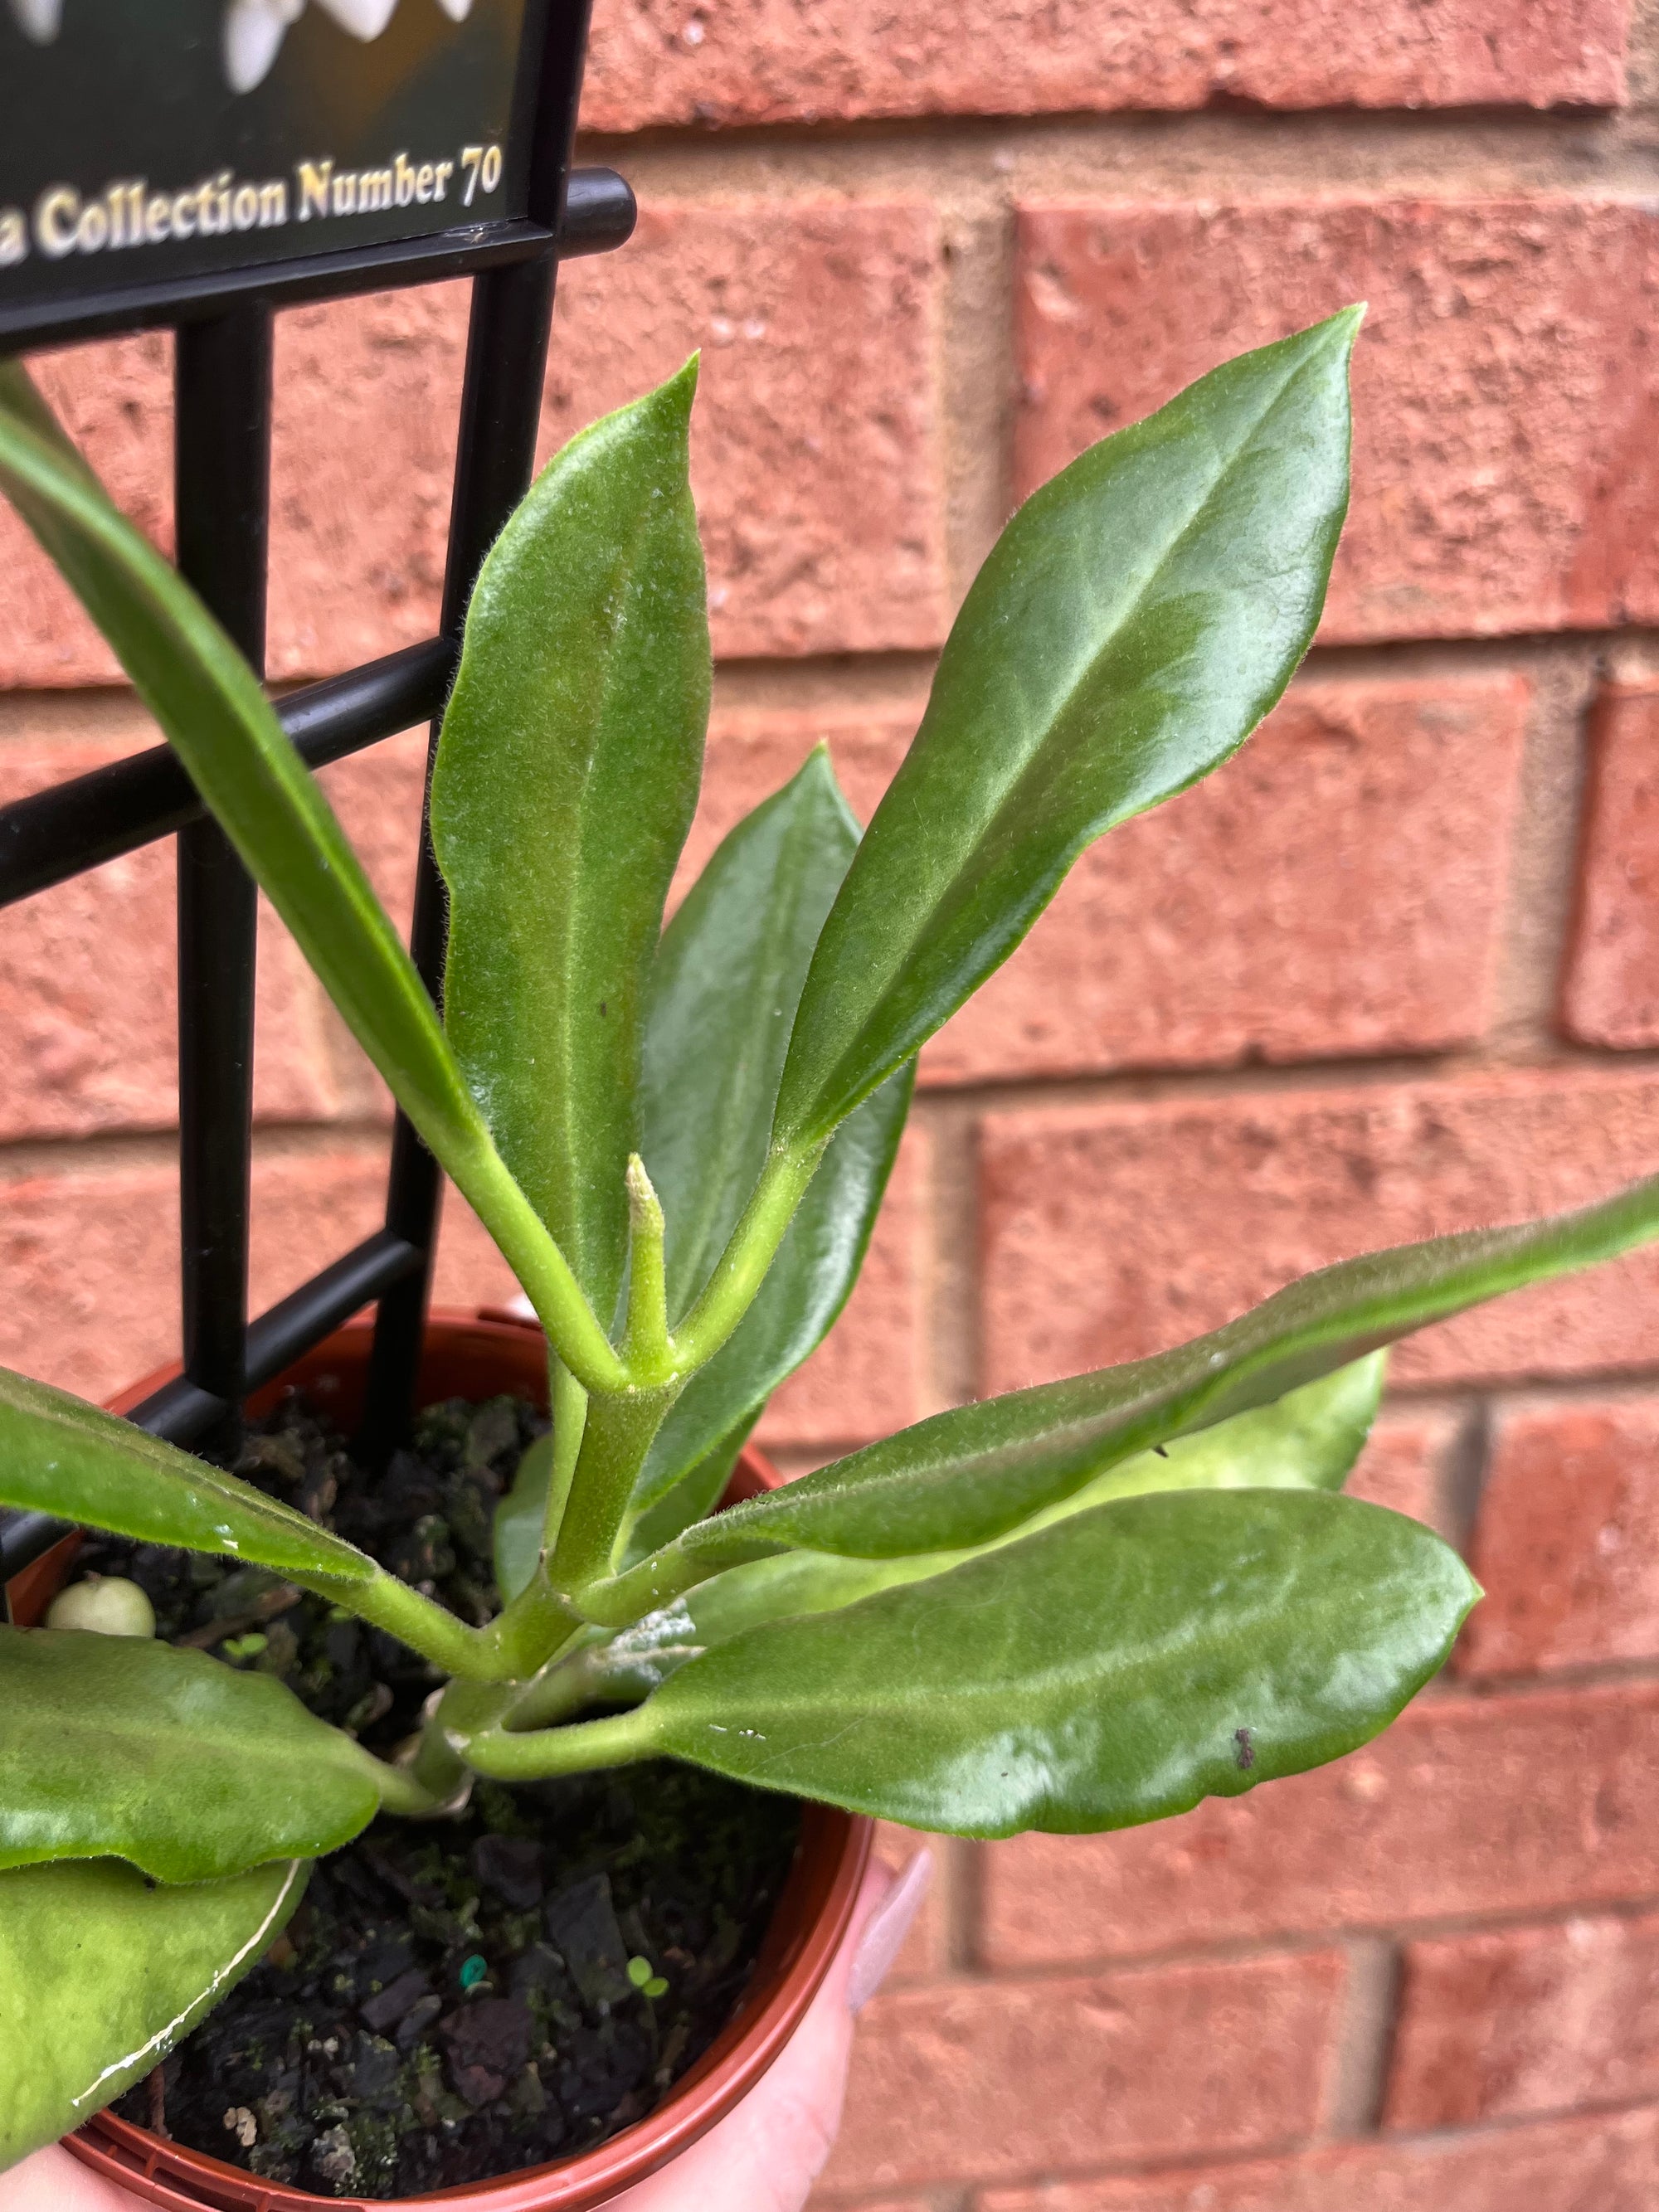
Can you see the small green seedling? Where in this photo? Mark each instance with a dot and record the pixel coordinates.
(1079, 1606)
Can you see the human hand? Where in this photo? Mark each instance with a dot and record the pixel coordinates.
(764, 2157)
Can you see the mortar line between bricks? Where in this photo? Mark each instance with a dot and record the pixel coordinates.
(1353, 2101)
(1232, 2156)
(853, 678)
(856, 679)
(101, 1151)
(1296, 1942)
(1603, 1674)
(1460, 1481)
(964, 1904)
(1447, 146)
(1153, 1086)
(953, 1301)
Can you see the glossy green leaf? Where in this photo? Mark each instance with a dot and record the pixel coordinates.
(565, 780)
(59, 1455)
(724, 991)
(727, 984)
(101, 1974)
(1114, 1668)
(115, 1747)
(966, 1476)
(1136, 620)
(1309, 1441)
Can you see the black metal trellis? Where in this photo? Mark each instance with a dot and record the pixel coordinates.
(222, 323)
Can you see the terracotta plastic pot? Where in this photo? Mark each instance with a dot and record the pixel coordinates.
(475, 1358)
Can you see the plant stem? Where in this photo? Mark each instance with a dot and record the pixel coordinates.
(649, 1349)
(604, 1670)
(619, 1600)
(402, 1792)
(384, 1603)
(531, 1630)
(482, 1179)
(751, 1250)
(615, 1440)
(569, 1402)
(535, 1756)
(460, 1707)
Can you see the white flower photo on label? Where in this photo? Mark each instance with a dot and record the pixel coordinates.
(254, 29)
(40, 19)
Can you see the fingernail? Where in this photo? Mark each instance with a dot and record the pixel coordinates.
(885, 1930)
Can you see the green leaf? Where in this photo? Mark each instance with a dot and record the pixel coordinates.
(59, 1455)
(727, 981)
(1309, 1441)
(689, 1497)
(1113, 1670)
(516, 1531)
(102, 1975)
(966, 1476)
(115, 1748)
(723, 993)
(208, 702)
(1136, 620)
(565, 780)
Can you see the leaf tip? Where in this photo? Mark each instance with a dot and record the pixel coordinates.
(677, 394)
(644, 1207)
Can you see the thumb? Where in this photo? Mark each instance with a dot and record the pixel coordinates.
(766, 2154)
(53, 2181)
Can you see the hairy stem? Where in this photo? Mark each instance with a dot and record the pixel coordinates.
(649, 1350)
(615, 1440)
(505, 1755)
(458, 1708)
(569, 1402)
(531, 1629)
(619, 1600)
(429, 1629)
(751, 1250)
(402, 1792)
(563, 1311)
(604, 1670)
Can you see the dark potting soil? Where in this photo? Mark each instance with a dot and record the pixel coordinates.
(456, 1999)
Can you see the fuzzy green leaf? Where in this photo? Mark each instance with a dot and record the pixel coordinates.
(565, 780)
(59, 1455)
(208, 700)
(516, 1531)
(964, 1477)
(1114, 1668)
(115, 1747)
(1309, 1441)
(727, 981)
(102, 1974)
(1136, 620)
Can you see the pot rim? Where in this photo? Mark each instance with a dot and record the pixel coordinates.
(819, 1895)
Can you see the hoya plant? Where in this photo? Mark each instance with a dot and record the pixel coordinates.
(1075, 1607)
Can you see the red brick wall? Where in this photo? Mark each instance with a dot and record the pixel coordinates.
(1394, 971)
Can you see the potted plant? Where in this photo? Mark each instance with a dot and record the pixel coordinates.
(1075, 1607)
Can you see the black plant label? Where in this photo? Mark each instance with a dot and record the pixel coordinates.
(143, 142)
